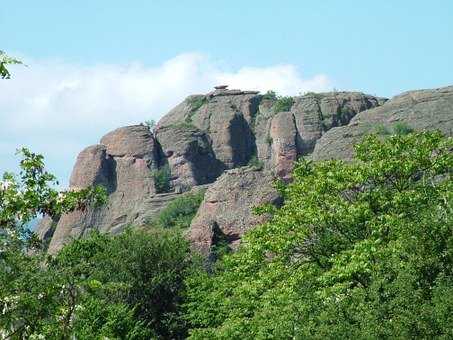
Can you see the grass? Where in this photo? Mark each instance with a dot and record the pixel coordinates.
(195, 103)
(399, 128)
(255, 162)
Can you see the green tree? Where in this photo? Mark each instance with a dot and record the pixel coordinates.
(137, 275)
(358, 250)
(28, 291)
(283, 104)
(6, 60)
(162, 179)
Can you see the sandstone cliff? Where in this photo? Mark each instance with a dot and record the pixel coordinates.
(210, 139)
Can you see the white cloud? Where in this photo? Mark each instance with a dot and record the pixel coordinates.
(57, 108)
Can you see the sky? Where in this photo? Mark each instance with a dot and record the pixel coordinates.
(93, 66)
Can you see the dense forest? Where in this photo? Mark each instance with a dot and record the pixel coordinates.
(360, 249)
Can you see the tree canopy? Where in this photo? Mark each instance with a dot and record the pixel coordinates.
(358, 250)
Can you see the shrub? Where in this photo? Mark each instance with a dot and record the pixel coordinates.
(195, 103)
(270, 95)
(283, 104)
(402, 128)
(382, 130)
(162, 179)
(255, 162)
(399, 128)
(151, 123)
(132, 283)
(180, 212)
(269, 140)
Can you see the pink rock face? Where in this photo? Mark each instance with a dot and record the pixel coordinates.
(123, 164)
(284, 146)
(134, 141)
(226, 210)
(93, 166)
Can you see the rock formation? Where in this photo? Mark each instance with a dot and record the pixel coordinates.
(212, 138)
(226, 211)
(418, 110)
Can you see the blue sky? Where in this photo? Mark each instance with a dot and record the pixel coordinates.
(95, 65)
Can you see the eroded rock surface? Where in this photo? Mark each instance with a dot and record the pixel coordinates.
(226, 211)
(418, 110)
(123, 164)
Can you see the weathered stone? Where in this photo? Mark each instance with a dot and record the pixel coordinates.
(124, 166)
(227, 207)
(93, 167)
(283, 133)
(419, 110)
(133, 141)
(190, 156)
(317, 113)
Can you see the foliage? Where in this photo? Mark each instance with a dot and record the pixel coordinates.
(195, 102)
(283, 104)
(151, 123)
(270, 95)
(255, 162)
(6, 60)
(183, 126)
(382, 130)
(399, 128)
(24, 197)
(358, 250)
(124, 287)
(269, 140)
(402, 128)
(180, 212)
(162, 178)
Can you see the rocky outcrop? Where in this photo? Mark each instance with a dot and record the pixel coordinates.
(226, 211)
(213, 138)
(225, 129)
(198, 140)
(282, 137)
(123, 164)
(417, 110)
(190, 156)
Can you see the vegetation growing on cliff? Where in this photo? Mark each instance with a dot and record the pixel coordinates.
(180, 212)
(162, 178)
(283, 103)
